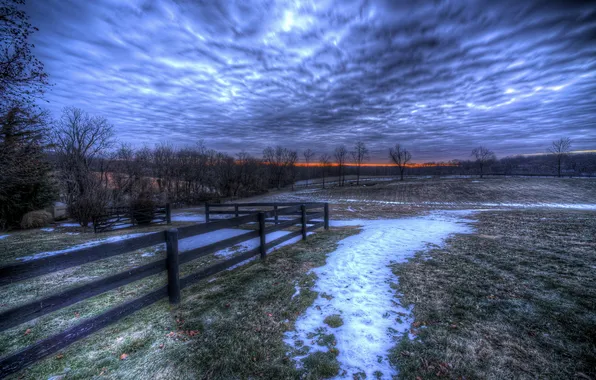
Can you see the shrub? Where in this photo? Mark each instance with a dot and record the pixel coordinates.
(36, 219)
(143, 210)
(87, 209)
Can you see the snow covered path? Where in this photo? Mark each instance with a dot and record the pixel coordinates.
(358, 278)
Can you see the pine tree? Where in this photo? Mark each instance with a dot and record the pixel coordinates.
(25, 174)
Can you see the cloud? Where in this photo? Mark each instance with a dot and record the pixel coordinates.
(438, 77)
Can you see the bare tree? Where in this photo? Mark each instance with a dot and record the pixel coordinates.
(291, 165)
(308, 155)
(484, 157)
(400, 156)
(360, 154)
(560, 149)
(78, 139)
(280, 162)
(341, 154)
(325, 160)
(22, 76)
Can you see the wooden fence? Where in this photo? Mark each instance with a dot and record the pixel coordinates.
(120, 217)
(309, 216)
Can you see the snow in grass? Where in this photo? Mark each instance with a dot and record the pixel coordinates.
(47, 229)
(358, 277)
(188, 218)
(80, 246)
(70, 225)
(254, 243)
(571, 206)
(297, 292)
(3, 236)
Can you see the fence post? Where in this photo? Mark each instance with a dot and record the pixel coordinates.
(275, 214)
(303, 209)
(326, 216)
(206, 212)
(168, 213)
(172, 264)
(263, 244)
(236, 210)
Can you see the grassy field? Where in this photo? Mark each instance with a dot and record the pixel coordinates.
(516, 300)
(390, 199)
(231, 327)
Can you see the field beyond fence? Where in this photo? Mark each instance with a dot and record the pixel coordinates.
(310, 216)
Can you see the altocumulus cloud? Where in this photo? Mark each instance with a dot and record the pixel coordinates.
(438, 76)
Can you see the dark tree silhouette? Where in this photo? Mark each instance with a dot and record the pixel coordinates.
(400, 156)
(484, 157)
(308, 155)
(360, 154)
(560, 149)
(324, 160)
(22, 76)
(341, 154)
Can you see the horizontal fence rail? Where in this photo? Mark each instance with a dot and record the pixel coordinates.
(305, 215)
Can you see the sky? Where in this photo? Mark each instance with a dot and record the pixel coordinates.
(439, 77)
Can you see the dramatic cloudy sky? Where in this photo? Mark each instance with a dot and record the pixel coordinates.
(441, 77)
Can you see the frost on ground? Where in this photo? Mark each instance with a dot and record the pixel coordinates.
(80, 246)
(571, 206)
(70, 225)
(356, 283)
(188, 218)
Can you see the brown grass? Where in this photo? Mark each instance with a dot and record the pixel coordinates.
(517, 300)
(392, 199)
(230, 327)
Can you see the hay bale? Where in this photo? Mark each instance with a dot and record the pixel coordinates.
(36, 219)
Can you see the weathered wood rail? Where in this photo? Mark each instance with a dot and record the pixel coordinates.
(308, 218)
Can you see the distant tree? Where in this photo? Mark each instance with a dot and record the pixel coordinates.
(560, 149)
(22, 76)
(341, 155)
(484, 157)
(292, 169)
(400, 156)
(25, 181)
(280, 162)
(359, 154)
(78, 140)
(308, 155)
(325, 160)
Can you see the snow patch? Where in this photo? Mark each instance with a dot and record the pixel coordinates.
(70, 225)
(297, 292)
(358, 277)
(188, 218)
(80, 246)
(574, 206)
(47, 229)
(3, 236)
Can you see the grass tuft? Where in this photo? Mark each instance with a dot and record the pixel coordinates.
(321, 365)
(334, 320)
